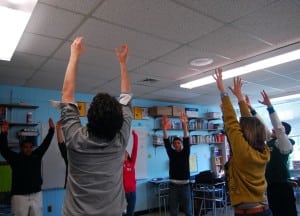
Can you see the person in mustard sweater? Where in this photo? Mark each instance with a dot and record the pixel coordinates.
(250, 154)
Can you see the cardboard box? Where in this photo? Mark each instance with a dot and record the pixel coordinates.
(192, 112)
(159, 110)
(177, 110)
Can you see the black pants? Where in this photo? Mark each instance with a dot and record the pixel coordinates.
(281, 199)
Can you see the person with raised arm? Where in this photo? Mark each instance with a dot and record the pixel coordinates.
(129, 179)
(280, 192)
(27, 180)
(95, 151)
(179, 168)
(250, 154)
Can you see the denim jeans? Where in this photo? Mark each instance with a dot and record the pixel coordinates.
(131, 199)
(180, 195)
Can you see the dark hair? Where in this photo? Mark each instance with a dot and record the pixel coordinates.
(254, 132)
(26, 140)
(287, 127)
(176, 138)
(105, 116)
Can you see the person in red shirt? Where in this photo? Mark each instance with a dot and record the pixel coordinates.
(129, 180)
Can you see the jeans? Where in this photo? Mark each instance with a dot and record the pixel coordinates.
(180, 195)
(131, 199)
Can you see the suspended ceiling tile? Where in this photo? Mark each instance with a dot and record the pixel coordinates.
(53, 22)
(37, 45)
(164, 19)
(278, 23)
(225, 11)
(104, 35)
(230, 42)
(79, 6)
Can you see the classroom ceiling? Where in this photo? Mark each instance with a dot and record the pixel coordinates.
(163, 37)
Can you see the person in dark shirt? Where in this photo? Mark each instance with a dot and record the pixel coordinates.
(179, 168)
(62, 147)
(26, 172)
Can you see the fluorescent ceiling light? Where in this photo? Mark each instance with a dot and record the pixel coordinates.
(14, 16)
(284, 98)
(266, 63)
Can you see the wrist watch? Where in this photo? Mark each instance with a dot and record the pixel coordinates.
(223, 94)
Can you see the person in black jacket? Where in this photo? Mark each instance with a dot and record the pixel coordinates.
(26, 172)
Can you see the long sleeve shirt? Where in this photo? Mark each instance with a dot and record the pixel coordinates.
(179, 167)
(95, 184)
(246, 170)
(26, 170)
(129, 180)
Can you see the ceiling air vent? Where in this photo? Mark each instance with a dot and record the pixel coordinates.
(148, 80)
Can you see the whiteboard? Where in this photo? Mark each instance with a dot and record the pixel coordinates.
(141, 171)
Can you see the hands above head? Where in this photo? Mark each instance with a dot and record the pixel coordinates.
(4, 127)
(237, 88)
(184, 118)
(248, 102)
(133, 133)
(58, 125)
(122, 53)
(77, 47)
(51, 123)
(219, 80)
(165, 122)
(266, 100)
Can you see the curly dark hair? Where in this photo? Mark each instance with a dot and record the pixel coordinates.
(105, 116)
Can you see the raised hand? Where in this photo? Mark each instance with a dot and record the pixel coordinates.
(165, 122)
(237, 88)
(122, 53)
(77, 47)
(4, 127)
(51, 123)
(248, 102)
(266, 100)
(219, 80)
(183, 118)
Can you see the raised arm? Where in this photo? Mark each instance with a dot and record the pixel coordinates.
(8, 154)
(41, 150)
(184, 122)
(284, 145)
(237, 91)
(164, 124)
(134, 147)
(69, 84)
(61, 143)
(254, 113)
(59, 135)
(122, 55)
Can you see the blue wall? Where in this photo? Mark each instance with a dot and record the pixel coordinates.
(157, 161)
